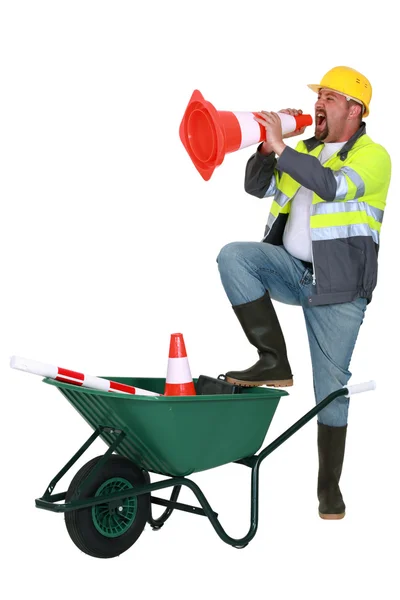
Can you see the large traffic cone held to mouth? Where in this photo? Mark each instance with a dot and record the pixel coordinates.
(179, 380)
(208, 134)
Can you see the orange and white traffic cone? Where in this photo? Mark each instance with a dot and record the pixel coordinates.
(208, 134)
(179, 380)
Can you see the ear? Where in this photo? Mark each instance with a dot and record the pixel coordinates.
(355, 111)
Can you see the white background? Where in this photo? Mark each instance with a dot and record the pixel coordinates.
(108, 241)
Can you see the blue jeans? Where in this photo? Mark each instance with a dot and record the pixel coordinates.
(248, 269)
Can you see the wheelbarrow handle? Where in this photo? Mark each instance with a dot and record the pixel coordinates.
(359, 388)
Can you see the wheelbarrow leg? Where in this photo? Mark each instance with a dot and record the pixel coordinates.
(156, 524)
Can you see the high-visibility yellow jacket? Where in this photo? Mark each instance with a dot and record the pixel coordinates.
(349, 198)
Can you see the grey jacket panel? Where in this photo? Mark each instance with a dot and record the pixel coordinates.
(259, 173)
(321, 299)
(308, 171)
(344, 268)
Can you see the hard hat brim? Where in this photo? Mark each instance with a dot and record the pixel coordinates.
(314, 87)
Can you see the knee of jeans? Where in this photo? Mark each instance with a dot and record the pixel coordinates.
(228, 256)
(335, 414)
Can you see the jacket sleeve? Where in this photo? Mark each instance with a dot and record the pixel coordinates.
(260, 177)
(367, 169)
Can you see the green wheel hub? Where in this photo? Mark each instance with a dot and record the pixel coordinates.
(113, 519)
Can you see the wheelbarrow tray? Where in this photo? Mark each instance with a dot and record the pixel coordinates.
(177, 435)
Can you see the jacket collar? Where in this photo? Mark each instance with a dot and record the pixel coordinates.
(312, 143)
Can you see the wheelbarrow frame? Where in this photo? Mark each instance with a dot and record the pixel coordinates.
(52, 502)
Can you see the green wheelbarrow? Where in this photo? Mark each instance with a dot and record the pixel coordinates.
(109, 500)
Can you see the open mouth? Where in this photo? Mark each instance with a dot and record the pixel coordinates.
(320, 119)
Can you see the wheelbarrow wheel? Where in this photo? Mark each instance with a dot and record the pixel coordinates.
(109, 529)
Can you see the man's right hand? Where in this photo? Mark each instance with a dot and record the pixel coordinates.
(266, 147)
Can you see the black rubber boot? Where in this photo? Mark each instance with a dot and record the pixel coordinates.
(261, 326)
(331, 445)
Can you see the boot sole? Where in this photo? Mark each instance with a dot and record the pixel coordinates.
(277, 383)
(331, 517)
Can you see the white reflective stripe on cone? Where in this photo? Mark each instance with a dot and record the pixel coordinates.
(250, 129)
(288, 123)
(178, 371)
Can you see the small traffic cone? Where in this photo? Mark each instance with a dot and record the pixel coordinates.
(208, 134)
(179, 380)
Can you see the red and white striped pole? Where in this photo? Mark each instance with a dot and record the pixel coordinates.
(208, 134)
(75, 378)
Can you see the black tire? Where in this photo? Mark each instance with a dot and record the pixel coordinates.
(83, 525)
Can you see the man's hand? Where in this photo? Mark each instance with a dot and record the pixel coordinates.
(294, 112)
(273, 126)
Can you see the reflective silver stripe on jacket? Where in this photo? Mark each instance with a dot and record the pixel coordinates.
(271, 191)
(342, 187)
(328, 208)
(266, 232)
(270, 222)
(281, 198)
(343, 231)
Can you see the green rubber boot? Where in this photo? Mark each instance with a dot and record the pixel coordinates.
(261, 326)
(331, 446)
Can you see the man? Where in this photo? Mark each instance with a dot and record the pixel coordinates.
(319, 252)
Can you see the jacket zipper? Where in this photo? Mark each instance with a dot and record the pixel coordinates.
(314, 279)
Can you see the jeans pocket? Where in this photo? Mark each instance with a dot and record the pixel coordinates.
(306, 278)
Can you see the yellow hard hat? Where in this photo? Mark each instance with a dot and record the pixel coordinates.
(348, 82)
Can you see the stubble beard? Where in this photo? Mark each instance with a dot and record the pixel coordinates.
(322, 135)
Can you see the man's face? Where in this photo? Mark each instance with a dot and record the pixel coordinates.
(331, 116)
